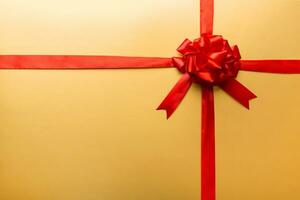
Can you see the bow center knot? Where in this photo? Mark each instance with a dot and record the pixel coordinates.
(208, 60)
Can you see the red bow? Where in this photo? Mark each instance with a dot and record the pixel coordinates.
(208, 61)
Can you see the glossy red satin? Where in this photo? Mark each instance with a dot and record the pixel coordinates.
(209, 59)
(208, 163)
(206, 16)
(191, 65)
(175, 96)
(208, 175)
(81, 62)
(272, 66)
(238, 91)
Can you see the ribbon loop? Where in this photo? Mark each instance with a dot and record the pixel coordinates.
(209, 59)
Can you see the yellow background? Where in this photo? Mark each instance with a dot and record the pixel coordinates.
(95, 134)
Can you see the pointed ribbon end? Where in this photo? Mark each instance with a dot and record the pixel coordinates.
(251, 97)
(168, 112)
(176, 95)
(239, 92)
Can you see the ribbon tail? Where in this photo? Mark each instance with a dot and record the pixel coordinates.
(176, 95)
(239, 92)
(208, 185)
(272, 66)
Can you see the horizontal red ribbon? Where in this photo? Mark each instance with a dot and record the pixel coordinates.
(272, 66)
(81, 62)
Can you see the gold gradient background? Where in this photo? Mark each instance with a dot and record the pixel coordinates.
(95, 134)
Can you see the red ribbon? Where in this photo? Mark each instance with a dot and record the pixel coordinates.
(272, 66)
(192, 63)
(208, 61)
(175, 96)
(81, 62)
(208, 166)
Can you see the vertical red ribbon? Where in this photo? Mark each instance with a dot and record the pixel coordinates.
(206, 16)
(208, 187)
